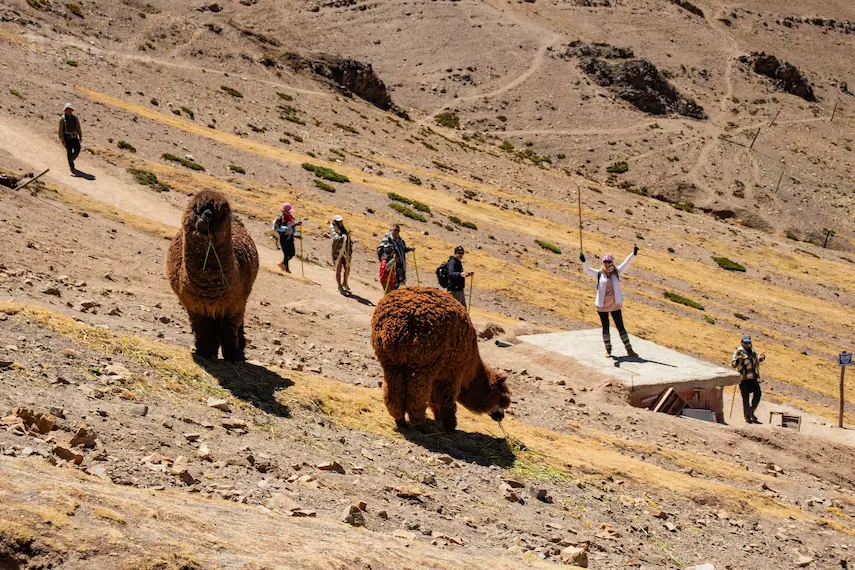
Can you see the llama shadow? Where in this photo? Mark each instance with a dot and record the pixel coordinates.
(483, 449)
(251, 383)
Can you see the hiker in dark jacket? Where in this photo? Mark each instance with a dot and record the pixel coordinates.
(393, 246)
(456, 275)
(70, 134)
(747, 361)
(286, 225)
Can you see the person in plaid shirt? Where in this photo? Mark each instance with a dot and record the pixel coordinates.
(748, 363)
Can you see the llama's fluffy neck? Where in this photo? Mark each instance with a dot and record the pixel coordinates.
(218, 249)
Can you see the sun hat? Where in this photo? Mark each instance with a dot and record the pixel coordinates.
(68, 106)
(338, 218)
(746, 338)
(286, 206)
(608, 257)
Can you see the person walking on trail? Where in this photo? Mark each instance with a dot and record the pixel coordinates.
(609, 298)
(342, 251)
(286, 225)
(393, 247)
(457, 276)
(70, 134)
(747, 361)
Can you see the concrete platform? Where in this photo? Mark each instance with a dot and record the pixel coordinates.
(656, 369)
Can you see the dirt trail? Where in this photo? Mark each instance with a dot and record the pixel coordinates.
(38, 151)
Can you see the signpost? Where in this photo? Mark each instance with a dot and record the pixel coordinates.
(844, 360)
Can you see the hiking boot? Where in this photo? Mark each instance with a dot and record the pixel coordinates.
(631, 353)
(281, 266)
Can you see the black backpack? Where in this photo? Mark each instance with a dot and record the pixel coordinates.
(442, 275)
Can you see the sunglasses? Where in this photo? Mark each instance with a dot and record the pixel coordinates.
(607, 263)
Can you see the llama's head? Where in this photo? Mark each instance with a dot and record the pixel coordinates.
(208, 213)
(501, 393)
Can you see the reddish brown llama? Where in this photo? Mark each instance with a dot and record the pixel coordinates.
(212, 264)
(428, 349)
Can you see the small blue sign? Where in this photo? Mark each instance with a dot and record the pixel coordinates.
(844, 359)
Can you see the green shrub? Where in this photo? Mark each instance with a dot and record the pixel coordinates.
(71, 62)
(740, 316)
(126, 146)
(293, 119)
(400, 208)
(671, 250)
(189, 112)
(548, 246)
(147, 178)
(183, 161)
(448, 119)
(238, 169)
(462, 223)
(726, 263)
(75, 9)
(560, 156)
(507, 145)
(470, 193)
(176, 112)
(684, 206)
(674, 297)
(16, 93)
(325, 173)
(444, 166)
(285, 96)
(421, 207)
(154, 102)
(709, 319)
(618, 167)
(324, 186)
(413, 179)
(231, 91)
(398, 198)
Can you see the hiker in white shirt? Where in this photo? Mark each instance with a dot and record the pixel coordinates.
(609, 298)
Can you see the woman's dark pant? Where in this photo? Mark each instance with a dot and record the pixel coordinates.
(72, 149)
(624, 336)
(287, 245)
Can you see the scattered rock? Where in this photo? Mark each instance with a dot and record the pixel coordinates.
(803, 561)
(204, 453)
(34, 421)
(404, 535)
(83, 437)
(575, 555)
(233, 424)
(67, 454)
(281, 502)
(192, 436)
(304, 513)
(352, 515)
(408, 491)
(330, 466)
(140, 410)
(219, 404)
(503, 343)
(52, 291)
(490, 330)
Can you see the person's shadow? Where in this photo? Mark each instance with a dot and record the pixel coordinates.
(621, 359)
(485, 450)
(249, 382)
(358, 299)
(80, 174)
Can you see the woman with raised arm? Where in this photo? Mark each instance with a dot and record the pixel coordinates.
(609, 298)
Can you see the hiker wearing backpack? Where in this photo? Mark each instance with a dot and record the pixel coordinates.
(392, 254)
(610, 298)
(70, 134)
(452, 277)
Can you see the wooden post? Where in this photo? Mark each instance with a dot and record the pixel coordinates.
(779, 180)
(840, 415)
(471, 286)
(757, 134)
(579, 196)
(302, 269)
(33, 179)
(732, 400)
(834, 111)
(775, 118)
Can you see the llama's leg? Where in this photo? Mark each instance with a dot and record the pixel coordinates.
(229, 332)
(205, 331)
(394, 391)
(443, 405)
(419, 395)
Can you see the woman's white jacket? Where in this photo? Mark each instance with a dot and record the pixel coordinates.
(601, 286)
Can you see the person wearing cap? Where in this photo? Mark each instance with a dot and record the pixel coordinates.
(456, 275)
(70, 134)
(747, 361)
(609, 299)
(342, 250)
(285, 224)
(393, 246)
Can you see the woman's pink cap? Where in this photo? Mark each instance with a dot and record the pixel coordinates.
(286, 206)
(608, 257)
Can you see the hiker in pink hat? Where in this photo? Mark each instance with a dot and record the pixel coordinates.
(610, 298)
(285, 224)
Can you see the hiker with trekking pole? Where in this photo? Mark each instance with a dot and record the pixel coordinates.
(285, 225)
(342, 251)
(452, 277)
(392, 254)
(609, 298)
(747, 362)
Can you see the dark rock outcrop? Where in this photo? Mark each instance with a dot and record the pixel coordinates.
(688, 6)
(634, 80)
(350, 76)
(787, 76)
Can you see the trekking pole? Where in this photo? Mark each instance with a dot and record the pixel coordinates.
(416, 263)
(579, 195)
(471, 286)
(302, 268)
(732, 400)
